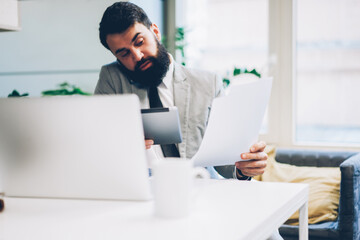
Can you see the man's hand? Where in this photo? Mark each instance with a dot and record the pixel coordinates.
(257, 164)
(148, 143)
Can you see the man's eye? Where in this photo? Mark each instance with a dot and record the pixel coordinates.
(140, 42)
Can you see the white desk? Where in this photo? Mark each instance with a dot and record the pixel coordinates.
(223, 209)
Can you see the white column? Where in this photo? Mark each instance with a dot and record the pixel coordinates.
(282, 62)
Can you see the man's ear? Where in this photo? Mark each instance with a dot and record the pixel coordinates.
(156, 31)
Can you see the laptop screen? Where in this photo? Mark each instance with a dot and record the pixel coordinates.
(74, 147)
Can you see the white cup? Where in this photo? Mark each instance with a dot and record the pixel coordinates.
(172, 186)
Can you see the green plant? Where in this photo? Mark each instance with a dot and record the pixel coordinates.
(17, 94)
(65, 89)
(180, 43)
(238, 71)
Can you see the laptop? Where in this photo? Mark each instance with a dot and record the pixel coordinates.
(74, 147)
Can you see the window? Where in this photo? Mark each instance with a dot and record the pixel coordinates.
(328, 71)
(224, 34)
(228, 33)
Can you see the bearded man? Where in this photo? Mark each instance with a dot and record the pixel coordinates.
(144, 67)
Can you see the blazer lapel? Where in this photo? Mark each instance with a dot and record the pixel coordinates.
(182, 102)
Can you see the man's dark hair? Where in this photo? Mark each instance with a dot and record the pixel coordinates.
(119, 17)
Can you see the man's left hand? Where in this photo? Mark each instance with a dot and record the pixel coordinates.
(257, 160)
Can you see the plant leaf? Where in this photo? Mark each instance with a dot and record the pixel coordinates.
(17, 94)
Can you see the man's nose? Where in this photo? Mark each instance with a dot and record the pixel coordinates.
(137, 55)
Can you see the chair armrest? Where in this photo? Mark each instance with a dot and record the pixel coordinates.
(311, 158)
(349, 208)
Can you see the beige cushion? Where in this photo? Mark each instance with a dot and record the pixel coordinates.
(324, 187)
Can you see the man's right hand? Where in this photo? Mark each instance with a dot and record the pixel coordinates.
(149, 143)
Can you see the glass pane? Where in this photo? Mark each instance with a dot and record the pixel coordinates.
(219, 41)
(224, 34)
(328, 71)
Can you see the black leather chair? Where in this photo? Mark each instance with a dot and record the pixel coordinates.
(347, 225)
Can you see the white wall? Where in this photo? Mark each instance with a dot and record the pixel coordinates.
(58, 42)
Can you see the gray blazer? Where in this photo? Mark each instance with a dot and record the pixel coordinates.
(194, 91)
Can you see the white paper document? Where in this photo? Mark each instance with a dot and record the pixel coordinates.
(234, 123)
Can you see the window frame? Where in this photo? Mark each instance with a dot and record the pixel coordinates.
(282, 66)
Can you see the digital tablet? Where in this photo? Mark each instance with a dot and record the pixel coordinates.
(162, 125)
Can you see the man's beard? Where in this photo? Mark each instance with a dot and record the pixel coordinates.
(154, 75)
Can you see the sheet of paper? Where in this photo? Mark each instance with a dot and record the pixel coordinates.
(234, 123)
